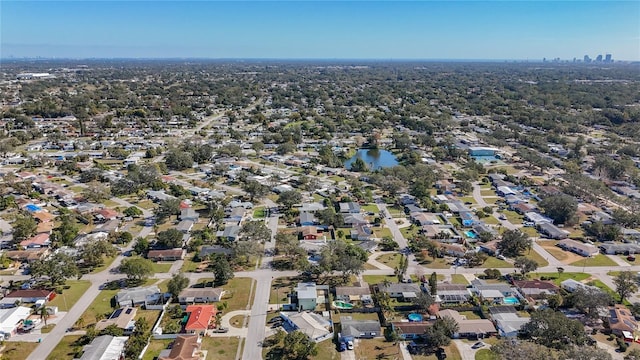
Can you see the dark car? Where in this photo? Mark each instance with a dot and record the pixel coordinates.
(221, 330)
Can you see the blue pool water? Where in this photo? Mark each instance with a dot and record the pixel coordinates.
(470, 234)
(414, 317)
(485, 158)
(33, 208)
(511, 300)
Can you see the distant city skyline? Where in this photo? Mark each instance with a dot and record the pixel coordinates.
(517, 30)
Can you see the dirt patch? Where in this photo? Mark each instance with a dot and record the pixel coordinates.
(564, 256)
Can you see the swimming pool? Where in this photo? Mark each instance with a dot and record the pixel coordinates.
(470, 234)
(342, 305)
(414, 317)
(511, 300)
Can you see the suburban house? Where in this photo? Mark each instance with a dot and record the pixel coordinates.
(307, 219)
(352, 294)
(411, 329)
(492, 292)
(473, 328)
(28, 296)
(536, 289)
(361, 329)
(457, 250)
(361, 232)
(123, 318)
(185, 347)
(105, 347)
(310, 233)
(11, 320)
(452, 293)
(104, 215)
(490, 247)
(200, 318)
(612, 248)
(578, 247)
(200, 295)
(507, 320)
(307, 296)
(468, 218)
(400, 290)
(622, 320)
(139, 296)
(157, 196)
(552, 231)
(313, 325)
(536, 218)
(39, 241)
(571, 285)
(189, 214)
(166, 255)
(349, 208)
(354, 219)
(184, 226)
(230, 232)
(29, 256)
(207, 250)
(421, 218)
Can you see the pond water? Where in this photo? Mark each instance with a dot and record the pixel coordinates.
(374, 158)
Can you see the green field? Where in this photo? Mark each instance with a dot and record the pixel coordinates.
(391, 260)
(68, 298)
(16, 350)
(598, 260)
(370, 208)
(238, 290)
(100, 307)
(259, 212)
(558, 278)
(161, 267)
(66, 349)
(493, 262)
(533, 255)
(378, 279)
(459, 279)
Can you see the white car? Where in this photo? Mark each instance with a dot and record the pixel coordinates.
(350, 345)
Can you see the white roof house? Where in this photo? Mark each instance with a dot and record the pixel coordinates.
(11, 318)
(313, 325)
(105, 347)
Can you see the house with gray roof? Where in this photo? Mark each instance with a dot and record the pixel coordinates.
(105, 347)
(350, 208)
(139, 296)
(612, 248)
(361, 329)
(230, 232)
(401, 290)
(552, 231)
(189, 214)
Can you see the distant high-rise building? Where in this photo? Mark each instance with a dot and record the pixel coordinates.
(587, 59)
(599, 58)
(608, 58)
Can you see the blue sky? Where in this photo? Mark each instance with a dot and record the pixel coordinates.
(325, 29)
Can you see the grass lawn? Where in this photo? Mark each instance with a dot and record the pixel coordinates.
(513, 216)
(164, 285)
(370, 208)
(280, 287)
(377, 349)
(438, 263)
(259, 212)
(382, 232)
(532, 232)
(68, 298)
(162, 267)
(221, 348)
(409, 232)
(391, 260)
(459, 279)
(110, 203)
(395, 211)
(486, 354)
(602, 286)
(491, 220)
(105, 265)
(47, 328)
(188, 265)
(151, 316)
(598, 260)
(377, 279)
(146, 204)
(317, 197)
(451, 351)
(487, 192)
(17, 350)
(64, 350)
(533, 255)
(101, 306)
(467, 199)
(558, 253)
(76, 189)
(493, 262)
(345, 232)
(336, 178)
(238, 293)
(237, 321)
(327, 351)
(558, 278)
(155, 347)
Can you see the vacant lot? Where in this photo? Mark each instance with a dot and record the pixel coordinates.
(16, 350)
(598, 260)
(66, 348)
(238, 292)
(221, 348)
(68, 298)
(100, 308)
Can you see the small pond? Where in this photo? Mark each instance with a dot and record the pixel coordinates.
(374, 158)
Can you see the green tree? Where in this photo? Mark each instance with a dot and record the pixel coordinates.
(66, 232)
(433, 284)
(136, 269)
(255, 231)
(176, 284)
(257, 146)
(514, 243)
(255, 189)
(634, 354)
(560, 208)
(178, 159)
(169, 239)
(289, 198)
(422, 301)
(56, 268)
(586, 353)
(297, 346)
(554, 330)
(511, 349)
(222, 270)
(626, 284)
(96, 192)
(24, 227)
(141, 247)
(525, 265)
(133, 211)
(590, 301)
(44, 314)
(167, 208)
(93, 253)
(359, 166)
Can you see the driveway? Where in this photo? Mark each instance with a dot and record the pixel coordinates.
(465, 350)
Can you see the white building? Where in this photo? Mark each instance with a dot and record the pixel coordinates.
(11, 319)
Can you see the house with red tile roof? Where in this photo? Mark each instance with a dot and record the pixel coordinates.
(39, 241)
(105, 214)
(200, 318)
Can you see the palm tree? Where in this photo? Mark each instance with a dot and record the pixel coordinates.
(80, 323)
(44, 314)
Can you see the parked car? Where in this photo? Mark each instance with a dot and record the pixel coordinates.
(478, 345)
(221, 330)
